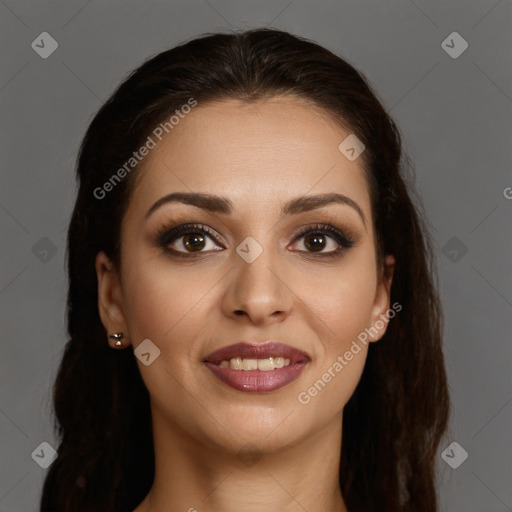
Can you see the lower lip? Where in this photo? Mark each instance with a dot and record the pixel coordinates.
(257, 381)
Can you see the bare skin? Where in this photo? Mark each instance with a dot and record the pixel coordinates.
(259, 156)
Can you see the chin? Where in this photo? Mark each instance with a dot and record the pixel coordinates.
(268, 433)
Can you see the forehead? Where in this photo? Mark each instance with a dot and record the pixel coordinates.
(257, 153)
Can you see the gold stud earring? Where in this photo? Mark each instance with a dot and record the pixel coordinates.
(117, 336)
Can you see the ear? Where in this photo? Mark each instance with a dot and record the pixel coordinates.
(110, 297)
(379, 319)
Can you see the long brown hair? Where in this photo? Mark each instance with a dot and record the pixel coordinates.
(394, 421)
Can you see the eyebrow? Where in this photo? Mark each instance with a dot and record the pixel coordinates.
(217, 204)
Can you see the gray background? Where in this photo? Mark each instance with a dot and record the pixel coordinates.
(455, 116)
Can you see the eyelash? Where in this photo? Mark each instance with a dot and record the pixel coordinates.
(166, 235)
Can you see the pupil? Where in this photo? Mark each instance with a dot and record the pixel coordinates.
(318, 239)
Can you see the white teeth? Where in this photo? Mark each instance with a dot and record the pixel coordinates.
(265, 365)
(279, 362)
(235, 363)
(249, 364)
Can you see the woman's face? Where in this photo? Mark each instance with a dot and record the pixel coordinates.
(253, 277)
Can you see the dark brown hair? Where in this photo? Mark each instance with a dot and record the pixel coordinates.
(394, 421)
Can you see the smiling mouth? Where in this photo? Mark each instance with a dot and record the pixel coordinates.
(257, 368)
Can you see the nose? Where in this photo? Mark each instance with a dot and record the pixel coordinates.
(258, 291)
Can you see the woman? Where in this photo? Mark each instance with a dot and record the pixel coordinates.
(243, 225)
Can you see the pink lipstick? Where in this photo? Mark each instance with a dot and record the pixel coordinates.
(257, 368)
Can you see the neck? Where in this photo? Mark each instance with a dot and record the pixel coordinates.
(191, 476)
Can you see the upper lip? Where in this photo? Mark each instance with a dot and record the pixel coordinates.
(257, 351)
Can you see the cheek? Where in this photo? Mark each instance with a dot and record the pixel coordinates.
(340, 302)
(340, 308)
(341, 363)
(168, 309)
(160, 302)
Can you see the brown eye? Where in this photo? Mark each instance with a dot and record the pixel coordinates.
(188, 239)
(194, 242)
(315, 242)
(321, 243)
(324, 240)
(191, 242)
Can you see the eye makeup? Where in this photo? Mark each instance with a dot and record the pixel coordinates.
(171, 231)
